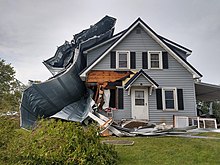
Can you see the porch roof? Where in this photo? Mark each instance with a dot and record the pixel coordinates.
(207, 92)
(136, 76)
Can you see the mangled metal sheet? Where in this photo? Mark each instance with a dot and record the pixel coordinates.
(101, 31)
(48, 98)
(65, 95)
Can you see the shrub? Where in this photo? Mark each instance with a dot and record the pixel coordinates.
(7, 133)
(7, 130)
(59, 142)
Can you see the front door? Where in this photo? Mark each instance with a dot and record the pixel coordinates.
(139, 101)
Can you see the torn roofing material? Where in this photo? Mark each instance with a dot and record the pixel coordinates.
(65, 93)
(100, 32)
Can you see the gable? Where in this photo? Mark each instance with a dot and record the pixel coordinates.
(156, 38)
(138, 42)
(140, 79)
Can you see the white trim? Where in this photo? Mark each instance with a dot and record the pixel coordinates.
(163, 45)
(160, 59)
(174, 89)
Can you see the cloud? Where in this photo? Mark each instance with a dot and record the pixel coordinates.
(31, 30)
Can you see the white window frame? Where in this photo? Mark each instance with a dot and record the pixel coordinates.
(117, 59)
(175, 98)
(160, 59)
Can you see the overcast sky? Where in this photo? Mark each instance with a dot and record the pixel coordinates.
(31, 30)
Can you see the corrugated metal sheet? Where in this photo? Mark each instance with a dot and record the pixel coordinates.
(65, 95)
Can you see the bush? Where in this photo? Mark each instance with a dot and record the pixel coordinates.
(7, 133)
(59, 142)
(7, 130)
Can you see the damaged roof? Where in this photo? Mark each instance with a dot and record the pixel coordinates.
(65, 95)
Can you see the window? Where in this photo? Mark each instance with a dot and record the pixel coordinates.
(170, 99)
(139, 97)
(123, 60)
(155, 59)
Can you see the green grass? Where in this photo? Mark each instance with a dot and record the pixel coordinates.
(209, 134)
(169, 150)
(146, 150)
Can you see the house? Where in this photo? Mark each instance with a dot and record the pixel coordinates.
(142, 74)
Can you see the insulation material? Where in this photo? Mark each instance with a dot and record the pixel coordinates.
(106, 97)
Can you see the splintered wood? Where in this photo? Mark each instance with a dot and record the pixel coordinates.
(106, 76)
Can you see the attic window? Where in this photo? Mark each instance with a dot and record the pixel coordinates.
(138, 31)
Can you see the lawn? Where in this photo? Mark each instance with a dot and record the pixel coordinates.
(146, 150)
(168, 150)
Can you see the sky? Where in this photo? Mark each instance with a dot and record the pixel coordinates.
(31, 30)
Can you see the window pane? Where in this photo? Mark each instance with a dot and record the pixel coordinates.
(155, 60)
(122, 64)
(122, 60)
(154, 64)
(169, 99)
(169, 104)
(169, 95)
(155, 57)
(139, 94)
(139, 101)
(122, 57)
(139, 97)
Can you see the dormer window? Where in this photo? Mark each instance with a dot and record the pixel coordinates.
(155, 60)
(123, 60)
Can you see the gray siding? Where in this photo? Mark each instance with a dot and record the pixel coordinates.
(126, 112)
(175, 76)
(95, 53)
(141, 80)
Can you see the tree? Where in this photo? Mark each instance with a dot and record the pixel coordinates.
(9, 92)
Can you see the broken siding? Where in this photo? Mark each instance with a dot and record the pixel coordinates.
(175, 76)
